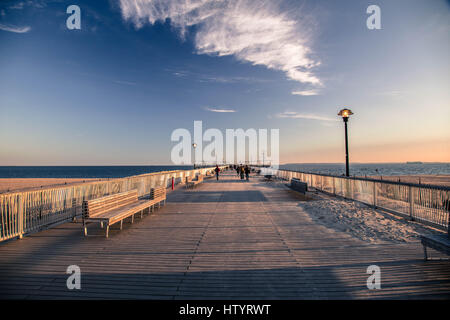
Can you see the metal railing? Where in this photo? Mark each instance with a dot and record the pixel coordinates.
(427, 204)
(31, 211)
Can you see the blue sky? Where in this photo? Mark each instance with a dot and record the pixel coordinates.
(113, 92)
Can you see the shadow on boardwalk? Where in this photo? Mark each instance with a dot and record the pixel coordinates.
(276, 283)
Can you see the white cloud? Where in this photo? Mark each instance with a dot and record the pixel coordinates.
(258, 32)
(306, 93)
(308, 116)
(221, 79)
(128, 83)
(32, 3)
(17, 6)
(14, 28)
(202, 77)
(221, 110)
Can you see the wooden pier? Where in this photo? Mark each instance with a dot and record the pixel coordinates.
(226, 239)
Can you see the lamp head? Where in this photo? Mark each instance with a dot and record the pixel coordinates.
(345, 114)
(194, 145)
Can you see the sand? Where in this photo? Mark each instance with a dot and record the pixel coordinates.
(26, 184)
(439, 180)
(362, 221)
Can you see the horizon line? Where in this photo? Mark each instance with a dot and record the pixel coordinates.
(190, 165)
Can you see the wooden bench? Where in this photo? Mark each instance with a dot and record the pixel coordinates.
(209, 175)
(299, 186)
(440, 243)
(117, 207)
(158, 195)
(190, 183)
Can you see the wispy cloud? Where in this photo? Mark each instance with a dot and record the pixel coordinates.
(15, 29)
(220, 110)
(18, 6)
(128, 83)
(306, 93)
(308, 116)
(258, 32)
(22, 4)
(214, 78)
(180, 74)
(224, 79)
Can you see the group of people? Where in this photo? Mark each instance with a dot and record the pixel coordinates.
(242, 170)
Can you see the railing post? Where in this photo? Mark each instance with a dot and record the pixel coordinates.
(374, 194)
(411, 202)
(352, 189)
(448, 224)
(348, 188)
(21, 215)
(74, 202)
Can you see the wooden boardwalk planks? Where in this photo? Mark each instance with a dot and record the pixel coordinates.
(226, 239)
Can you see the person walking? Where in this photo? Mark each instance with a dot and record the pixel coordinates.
(242, 172)
(217, 170)
(238, 170)
(247, 173)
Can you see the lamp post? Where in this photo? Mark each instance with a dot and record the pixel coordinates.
(345, 114)
(194, 145)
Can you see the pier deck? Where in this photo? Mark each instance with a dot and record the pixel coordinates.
(226, 239)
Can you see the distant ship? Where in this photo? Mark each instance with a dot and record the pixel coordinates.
(414, 162)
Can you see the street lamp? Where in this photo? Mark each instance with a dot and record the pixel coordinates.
(345, 114)
(194, 145)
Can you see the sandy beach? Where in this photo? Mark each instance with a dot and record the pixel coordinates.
(439, 180)
(26, 184)
(362, 221)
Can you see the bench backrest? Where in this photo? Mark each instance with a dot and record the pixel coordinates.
(159, 192)
(299, 186)
(95, 207)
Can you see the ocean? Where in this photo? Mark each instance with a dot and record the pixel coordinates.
(81, 171)
(372, 169)
(356, 169)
